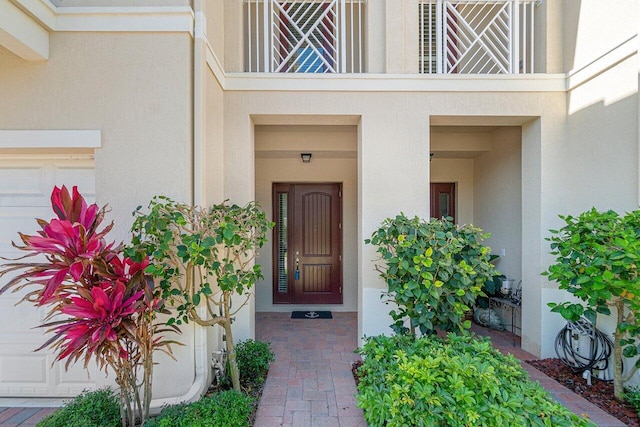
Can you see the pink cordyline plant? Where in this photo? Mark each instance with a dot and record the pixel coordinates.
(107, 303)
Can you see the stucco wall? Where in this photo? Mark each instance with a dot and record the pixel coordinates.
(137, 91)
(592, 29)
(278, 150)
(498, 201)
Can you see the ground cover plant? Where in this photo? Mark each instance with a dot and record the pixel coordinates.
(454, 381)
(434, 271)
(598, 262)
(202, 256)
(228, 408)
(99, 408)
(101, 305)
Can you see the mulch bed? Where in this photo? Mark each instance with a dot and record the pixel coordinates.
(600, 393)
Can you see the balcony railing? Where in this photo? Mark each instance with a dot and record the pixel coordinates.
(476, 36)
(304, 36)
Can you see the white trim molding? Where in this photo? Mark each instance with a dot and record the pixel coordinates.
(130, 19)
(394, 82)
(25, 24)
(50, 139)
(21, 35)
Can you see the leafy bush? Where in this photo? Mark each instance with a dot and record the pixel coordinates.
(99, 408)
(253, 359)
(434, 271)
(225, 409)
(632, 395)
(598, 261)
(460, 381)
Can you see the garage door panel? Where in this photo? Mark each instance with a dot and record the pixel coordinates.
(20, 365)
(25, 180)
(25, 190)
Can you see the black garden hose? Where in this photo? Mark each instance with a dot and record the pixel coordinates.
(600, 347)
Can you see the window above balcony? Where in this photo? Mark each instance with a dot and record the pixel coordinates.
(304, 36)
(476, 36)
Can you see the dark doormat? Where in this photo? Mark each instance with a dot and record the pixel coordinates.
(311, 315)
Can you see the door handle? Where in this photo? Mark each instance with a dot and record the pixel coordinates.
(296, 275)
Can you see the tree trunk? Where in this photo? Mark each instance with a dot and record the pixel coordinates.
(231, 350)
(618, 382)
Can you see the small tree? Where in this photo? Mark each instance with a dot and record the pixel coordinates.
(598, 261)
(202, 256)
(108, 303)
(434, 271)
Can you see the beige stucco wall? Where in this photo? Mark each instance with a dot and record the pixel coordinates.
(498, 201)
(137, 91)
(592, 29)
(278, 151)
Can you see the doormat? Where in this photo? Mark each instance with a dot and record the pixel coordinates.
(311, 315)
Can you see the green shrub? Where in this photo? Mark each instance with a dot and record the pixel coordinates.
(632, 395)
(253, 359)
(99, 408)
(460, 381)
(434, 272)
(225, 409)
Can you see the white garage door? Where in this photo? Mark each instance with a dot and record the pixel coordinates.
(25, 189)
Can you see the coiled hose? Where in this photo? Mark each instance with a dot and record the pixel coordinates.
(600, 347)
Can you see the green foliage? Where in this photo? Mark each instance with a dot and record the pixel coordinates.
(99, 408)
(434, 271)
(632, 395)
(217, 245)
(458, 381)
(597, 261)
(254, 358)
(225, 409)
(491, 288)
(202, 257)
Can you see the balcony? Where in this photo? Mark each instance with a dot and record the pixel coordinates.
(304, 36)
(476, 36)
(327, 36)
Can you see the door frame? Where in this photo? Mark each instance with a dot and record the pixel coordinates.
(290, 297)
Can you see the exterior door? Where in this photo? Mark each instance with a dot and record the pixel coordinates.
(307, 244)
(443, 200)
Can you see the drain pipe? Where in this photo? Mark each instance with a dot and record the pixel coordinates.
(200, 345)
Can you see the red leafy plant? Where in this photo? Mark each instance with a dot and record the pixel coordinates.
(101, 304)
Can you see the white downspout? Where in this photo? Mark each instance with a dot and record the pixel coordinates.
(202, 376)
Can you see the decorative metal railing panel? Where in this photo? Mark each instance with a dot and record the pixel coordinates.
(476, 36)
(304, 36)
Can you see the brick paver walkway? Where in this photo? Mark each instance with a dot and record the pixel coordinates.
(310, 383)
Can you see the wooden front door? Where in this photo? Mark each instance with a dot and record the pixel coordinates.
(443, 200)
(307, 244)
